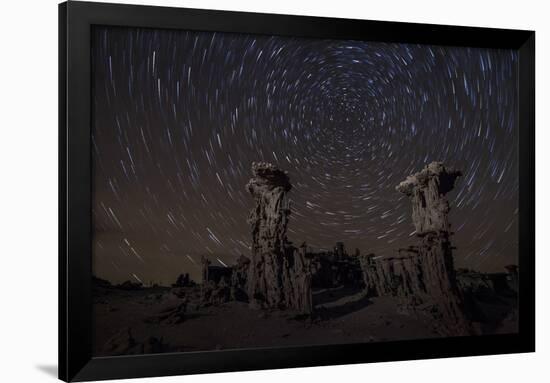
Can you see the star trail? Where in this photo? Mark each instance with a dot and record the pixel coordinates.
(180, 116)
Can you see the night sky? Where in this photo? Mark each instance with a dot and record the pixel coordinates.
(179, 117)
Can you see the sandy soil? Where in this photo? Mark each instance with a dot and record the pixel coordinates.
(138, 321)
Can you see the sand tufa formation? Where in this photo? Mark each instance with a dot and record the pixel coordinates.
(427, 190)
(278, 275)
(424, 273)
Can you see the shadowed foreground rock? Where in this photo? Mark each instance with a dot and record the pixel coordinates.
(124, 343)
(424, 274)
(278, 275)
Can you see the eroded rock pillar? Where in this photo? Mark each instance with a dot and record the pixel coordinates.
(426, 190)
(277, 275)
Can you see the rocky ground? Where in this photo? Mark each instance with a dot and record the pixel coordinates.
(150, 320)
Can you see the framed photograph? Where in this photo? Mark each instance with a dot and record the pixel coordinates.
(246, 191)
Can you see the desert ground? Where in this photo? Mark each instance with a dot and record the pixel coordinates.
(162, 319)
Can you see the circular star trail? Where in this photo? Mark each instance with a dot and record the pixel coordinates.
(179, 117)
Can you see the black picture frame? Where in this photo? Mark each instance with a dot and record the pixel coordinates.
(76, 362)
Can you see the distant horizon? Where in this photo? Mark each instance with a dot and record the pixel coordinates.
(194, 273)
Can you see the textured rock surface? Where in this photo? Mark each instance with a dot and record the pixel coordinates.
(423, 274)
(334, 268)
(439, 277)
(398, 276)
(239, 279)
(427, 190)
(435, 281)
(278, 275)
(222, 284)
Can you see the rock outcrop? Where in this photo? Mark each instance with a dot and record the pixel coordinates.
(399, 276)
(424, 274)
(239, 279)
(334, 268)
(183, 280)
(124, 343)
(278, 275)
(221, 284)
(427, 190)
